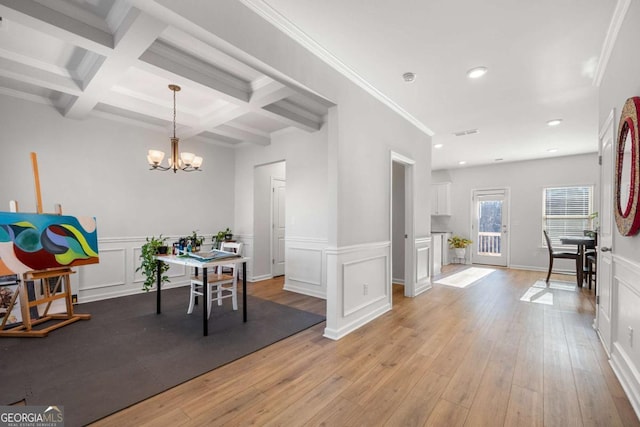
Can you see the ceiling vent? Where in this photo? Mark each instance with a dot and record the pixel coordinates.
(466, 132)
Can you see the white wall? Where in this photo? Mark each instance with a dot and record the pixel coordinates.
(97, 167)
(525, 181)
(620, 82)
(362, 133)
(306, 208)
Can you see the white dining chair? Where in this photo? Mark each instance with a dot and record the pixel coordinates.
(222, 282)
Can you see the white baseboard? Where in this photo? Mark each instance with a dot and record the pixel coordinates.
(303, 290)
(423, 288)
(627, 375)
(259, 278)
(397, 281)
(128, 292)
(334, 334)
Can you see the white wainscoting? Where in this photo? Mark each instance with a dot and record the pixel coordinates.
(116, 275)
(625, 354)
(247, 251)
(358, 286)
(423, 264)
(305, 266)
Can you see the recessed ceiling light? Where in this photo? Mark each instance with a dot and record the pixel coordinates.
(552, 150)
(409, 77)
(477, 72)
(554, 122)
(462, 162)
(438, 146)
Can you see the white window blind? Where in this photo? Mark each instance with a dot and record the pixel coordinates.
(566, 211)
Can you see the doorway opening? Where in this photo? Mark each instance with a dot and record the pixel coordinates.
(402, 235)
(490, 227)
(269, 200)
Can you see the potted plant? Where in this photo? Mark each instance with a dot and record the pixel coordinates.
(149, 265)
(222, 236)
(196, 241)
(459, 245)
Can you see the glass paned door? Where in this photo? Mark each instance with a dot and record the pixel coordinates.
(490, 226)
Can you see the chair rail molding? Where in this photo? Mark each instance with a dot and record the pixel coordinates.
(358, 286)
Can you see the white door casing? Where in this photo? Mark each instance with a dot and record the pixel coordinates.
(410, 276)
(278, 198)
(490, 227)
(604, 270)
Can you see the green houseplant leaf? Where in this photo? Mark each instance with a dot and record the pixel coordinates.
(457, 242)
(149, 265)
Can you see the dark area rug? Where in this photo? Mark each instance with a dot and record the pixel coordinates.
(127, 353)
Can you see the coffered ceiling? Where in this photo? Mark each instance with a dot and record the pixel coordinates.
(544, 58)
(105, 57)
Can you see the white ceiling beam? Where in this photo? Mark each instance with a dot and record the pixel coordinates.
(147, 108)
(217, 118)
(264, 95)
(242, 135)
(291, 118)
(41, 18)
(161, 56)
(134, 36)
(270, 93)
(38, 77)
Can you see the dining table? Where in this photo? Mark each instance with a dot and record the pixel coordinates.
(582, 242)
(204, 265)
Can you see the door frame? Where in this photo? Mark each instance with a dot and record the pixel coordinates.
(272, 231)
(607, 131)
(507, 235)
(409, 223)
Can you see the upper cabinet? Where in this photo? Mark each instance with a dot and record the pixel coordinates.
(441, 198)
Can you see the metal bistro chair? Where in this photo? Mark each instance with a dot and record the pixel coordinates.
(591, 259)
(222, 283)
(562, 255)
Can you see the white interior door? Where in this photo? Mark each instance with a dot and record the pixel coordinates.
(278, 191)
(490, 227)
(605, 236)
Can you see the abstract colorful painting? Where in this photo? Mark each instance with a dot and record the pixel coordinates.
(31, 241)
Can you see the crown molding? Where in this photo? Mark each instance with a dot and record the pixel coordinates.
(619, 13)
(289, 28)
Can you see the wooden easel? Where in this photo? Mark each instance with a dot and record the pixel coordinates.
(61, 290)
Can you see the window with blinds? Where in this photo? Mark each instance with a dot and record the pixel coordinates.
(566, 212)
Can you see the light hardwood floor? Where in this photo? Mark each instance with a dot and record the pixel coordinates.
(450, 357)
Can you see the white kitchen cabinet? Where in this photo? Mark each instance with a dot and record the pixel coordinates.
(441, 198)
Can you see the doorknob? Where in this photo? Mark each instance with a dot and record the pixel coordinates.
(605, 249)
